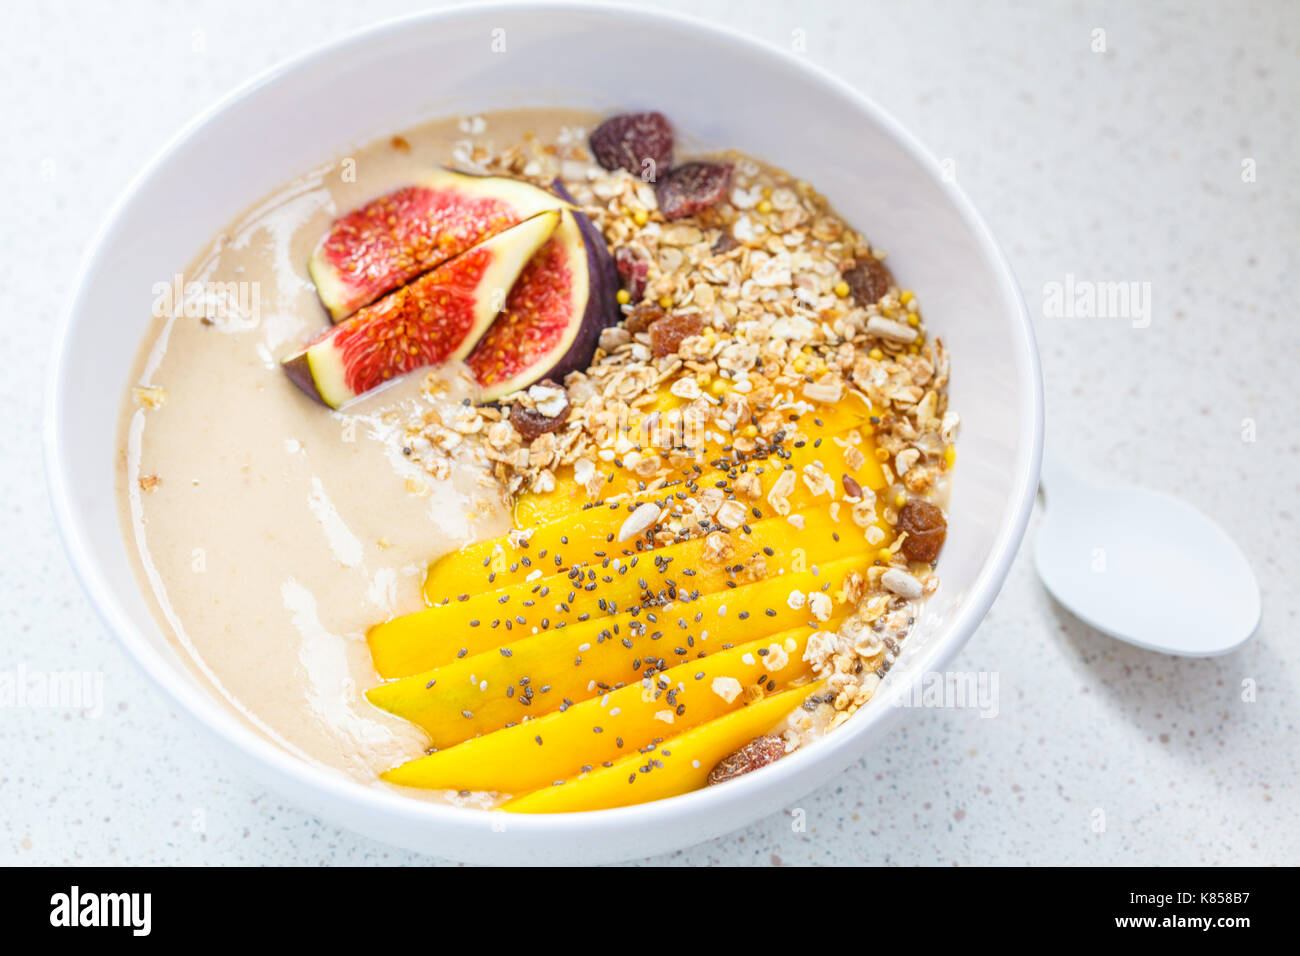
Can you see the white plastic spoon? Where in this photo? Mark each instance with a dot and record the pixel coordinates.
(1144, 567)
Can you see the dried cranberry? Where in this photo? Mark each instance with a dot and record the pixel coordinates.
(759, 752)
(926, 529)
(667, 334)
(641, 143)
(868, 280)
(633, 267)
(530, 423)
(688, 189)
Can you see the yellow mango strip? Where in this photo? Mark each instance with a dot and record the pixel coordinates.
(619, 579)
(676, 766)
(536, 508)
(543, 672)
(564, 743)
(584, 534)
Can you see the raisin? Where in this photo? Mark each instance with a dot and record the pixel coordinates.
(643, 316)
(868, 280)
(724, 244)
(530, 423)
(926, 529)
(667, 334)
(759, 752)
(688, 189)
(641, 143)
(633, 267)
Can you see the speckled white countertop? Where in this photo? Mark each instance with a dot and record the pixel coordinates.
(1125, 164)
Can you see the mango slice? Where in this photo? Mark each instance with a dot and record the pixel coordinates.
(619, 578)
(676, 766)
(562, 744)
(480, 693)
(587, 534)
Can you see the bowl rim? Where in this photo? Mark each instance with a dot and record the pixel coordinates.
(289, 771)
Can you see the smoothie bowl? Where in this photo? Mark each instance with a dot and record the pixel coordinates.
(508, 465)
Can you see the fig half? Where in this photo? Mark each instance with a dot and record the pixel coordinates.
(553, 318)
(438, 316)
(390, 240)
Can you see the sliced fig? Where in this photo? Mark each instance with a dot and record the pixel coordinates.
(555, 313)
(438, 316)
(693, 187)
(390, 240)
(641, 143)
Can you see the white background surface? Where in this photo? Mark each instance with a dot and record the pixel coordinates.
(1123, 165)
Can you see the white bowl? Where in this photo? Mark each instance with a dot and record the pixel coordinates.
(723, 89)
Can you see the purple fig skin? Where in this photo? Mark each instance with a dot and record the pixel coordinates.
(602, 307)
(298, 369)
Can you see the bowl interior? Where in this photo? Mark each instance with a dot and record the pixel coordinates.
(720, 90)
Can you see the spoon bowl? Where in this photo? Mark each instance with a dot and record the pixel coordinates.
(1144, 567)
